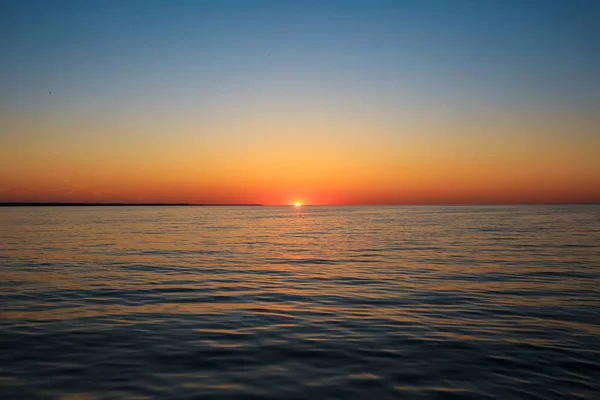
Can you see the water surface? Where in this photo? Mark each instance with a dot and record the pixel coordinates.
(316, 302)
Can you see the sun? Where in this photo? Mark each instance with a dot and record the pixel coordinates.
(297, 204)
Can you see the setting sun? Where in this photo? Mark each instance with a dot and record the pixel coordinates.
(297, 204)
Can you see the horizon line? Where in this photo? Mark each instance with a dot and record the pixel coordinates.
(119, 204)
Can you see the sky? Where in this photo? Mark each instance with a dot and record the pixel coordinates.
(322, 102)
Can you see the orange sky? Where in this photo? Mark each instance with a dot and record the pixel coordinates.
(331, 162)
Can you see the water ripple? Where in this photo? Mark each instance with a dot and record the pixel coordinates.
(318, 302)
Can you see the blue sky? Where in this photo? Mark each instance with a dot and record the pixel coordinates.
(504, 48)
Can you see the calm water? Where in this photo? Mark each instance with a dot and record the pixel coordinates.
(318, 302)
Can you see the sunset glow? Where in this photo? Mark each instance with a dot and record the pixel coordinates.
(337, 103)
(297, 204)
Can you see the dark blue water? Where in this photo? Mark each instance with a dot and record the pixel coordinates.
(317, 302)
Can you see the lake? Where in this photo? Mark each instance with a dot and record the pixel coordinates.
(423, 302)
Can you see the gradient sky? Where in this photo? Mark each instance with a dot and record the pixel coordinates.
(326, 102)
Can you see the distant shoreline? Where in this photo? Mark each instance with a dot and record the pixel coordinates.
(19, 204)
